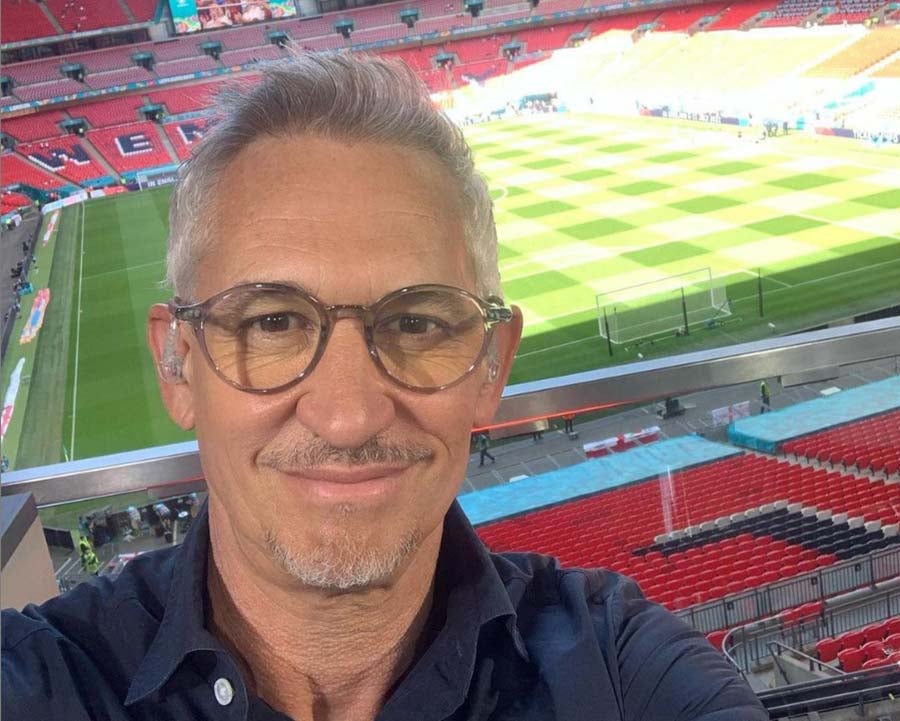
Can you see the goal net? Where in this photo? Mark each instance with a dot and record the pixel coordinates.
(667, 305)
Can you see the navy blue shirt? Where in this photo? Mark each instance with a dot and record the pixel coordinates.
(513, 636)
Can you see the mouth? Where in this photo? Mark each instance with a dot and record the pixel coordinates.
(344, 484)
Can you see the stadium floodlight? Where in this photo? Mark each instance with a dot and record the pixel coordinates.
(672, 304)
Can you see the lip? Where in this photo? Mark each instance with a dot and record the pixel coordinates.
(343, 484)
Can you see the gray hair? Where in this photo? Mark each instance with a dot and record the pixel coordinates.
(338, 96)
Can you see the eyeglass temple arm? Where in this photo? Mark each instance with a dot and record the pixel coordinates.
(496, 312)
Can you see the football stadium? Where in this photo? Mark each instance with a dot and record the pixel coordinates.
(698, 213)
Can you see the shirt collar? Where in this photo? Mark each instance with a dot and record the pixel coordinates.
(475, 595)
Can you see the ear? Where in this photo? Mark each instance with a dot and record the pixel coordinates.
(171, 355)
(498, 363)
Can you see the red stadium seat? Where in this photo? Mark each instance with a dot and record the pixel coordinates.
(851, 659)
(827, 649)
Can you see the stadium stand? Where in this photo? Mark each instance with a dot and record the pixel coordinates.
(11, 201)
(551, 38)
(251, 55)
(875, 645)
(37, 71)
(326, 42)
(311, 27)
(15, 169)
(436, 80)
(34, 127)
(484, 48)
(81, 15)
(479, 71)
(851, 11)
(111, 59)
(621, 22)
(186, 67)
(387, 32)
(442, 24)
(23, 20)
(556, 6)
(184, 99)
(176, 49)
(374, 17)
(872, 444)
(680, 19)
(183, 134)
(99, 81)
(736, 14)
(131, 147)
(109, 112)
(44, 91)
(66, 156)
(871, 48)
(143, 10)
(790, 12)
(417, 58)
(753, 518)
(238, 38)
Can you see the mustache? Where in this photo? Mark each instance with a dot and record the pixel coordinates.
(316, 452)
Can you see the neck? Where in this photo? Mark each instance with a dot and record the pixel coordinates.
(311, 653)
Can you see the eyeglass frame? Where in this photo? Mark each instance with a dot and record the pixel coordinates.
(493, 312)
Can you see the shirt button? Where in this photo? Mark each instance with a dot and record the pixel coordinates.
(224, 691)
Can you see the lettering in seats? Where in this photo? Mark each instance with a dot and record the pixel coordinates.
(134, 144)
(58, 158)
(189, 132)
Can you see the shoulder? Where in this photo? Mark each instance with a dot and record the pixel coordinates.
(94, 634)
(653, 665)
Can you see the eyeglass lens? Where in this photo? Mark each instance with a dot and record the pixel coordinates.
(265, 338)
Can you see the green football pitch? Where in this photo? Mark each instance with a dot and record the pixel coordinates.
(584, 205)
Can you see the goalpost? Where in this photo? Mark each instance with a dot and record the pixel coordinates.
(667, 305)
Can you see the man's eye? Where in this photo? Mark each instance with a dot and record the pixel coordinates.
(415, 324)
(277, 323)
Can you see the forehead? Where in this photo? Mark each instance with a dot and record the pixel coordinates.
(347, 220)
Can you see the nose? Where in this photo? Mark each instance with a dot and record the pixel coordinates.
(345, 400)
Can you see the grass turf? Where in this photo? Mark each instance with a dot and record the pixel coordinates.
(584, 205)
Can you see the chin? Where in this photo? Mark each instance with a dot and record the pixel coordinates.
(343, 561)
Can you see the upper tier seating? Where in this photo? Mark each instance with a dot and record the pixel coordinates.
(109, 79)
(251, 55)
(109, 112)
(184, 134)
(66, 156)
(34, 127)
(131, 147)
(852, 11)
(791, 12)
(387, 32)
(23, 20)
(35, 71)
(871, 444)
(176, 49)
(15, 169)
(620, 528)
(871, 48)
(682, 18)
(143, 10)
(117, 58)
(80, 15)
(442, 23)
(738, 13)
(43, 91)
(557, 6)
(238, 38)
(186, 66)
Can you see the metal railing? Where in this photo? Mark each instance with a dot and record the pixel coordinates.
(818, 585)
(748, 646)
